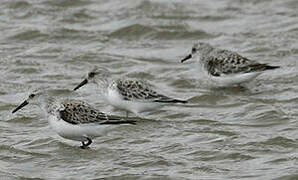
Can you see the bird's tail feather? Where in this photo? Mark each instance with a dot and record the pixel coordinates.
(268, 67)
(172, 101)
(124, 121)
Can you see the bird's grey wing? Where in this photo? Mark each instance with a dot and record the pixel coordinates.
(78, 112)
(140, 91)
(231, 63)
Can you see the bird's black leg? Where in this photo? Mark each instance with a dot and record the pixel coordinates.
(89, 141)
(84, 146)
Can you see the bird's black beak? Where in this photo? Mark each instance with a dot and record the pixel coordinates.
(186, 58)
(20, 106)
(85, 81)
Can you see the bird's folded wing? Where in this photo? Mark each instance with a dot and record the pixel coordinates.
(231, 63)
(132, 90)
(78, 112)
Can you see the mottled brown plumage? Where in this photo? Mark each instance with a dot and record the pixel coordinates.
(79, 112)
(232, 64)
(218, 62)
(141, 91)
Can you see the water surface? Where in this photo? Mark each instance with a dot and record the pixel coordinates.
(223, 133)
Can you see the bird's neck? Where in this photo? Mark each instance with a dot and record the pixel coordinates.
(48, 104)
(207, 51)
(103, 84)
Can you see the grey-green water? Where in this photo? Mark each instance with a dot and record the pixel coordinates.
(224, 133)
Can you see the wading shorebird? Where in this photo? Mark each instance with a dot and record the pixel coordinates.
(226, 67)
(73, 119)
(129, 95)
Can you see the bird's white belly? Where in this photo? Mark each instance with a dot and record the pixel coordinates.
(228, 80)
(136, 107)
(74, 131)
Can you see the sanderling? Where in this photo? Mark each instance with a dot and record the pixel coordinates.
(73, 119)
(224, 66)
(129, 95)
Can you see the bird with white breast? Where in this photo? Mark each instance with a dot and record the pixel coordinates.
(73, 119)
(226, 67)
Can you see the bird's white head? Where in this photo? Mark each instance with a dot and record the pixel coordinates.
(33, 98)
(198, 48)
(98, 75)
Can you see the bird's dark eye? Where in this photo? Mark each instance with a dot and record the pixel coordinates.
(193, 50)
(31, 95)
(91, 74)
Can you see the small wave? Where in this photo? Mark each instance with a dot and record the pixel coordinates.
(288, 177)
(135, 31)
(225, 156)
(281, 141)
(26, 70)
(192, 17)
(68, 3)
(77, 16)
(28, 35)
(169, 35)
(138, 31)
(19, 5)
(278, 141)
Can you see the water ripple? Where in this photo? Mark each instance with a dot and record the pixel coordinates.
(222, 133)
